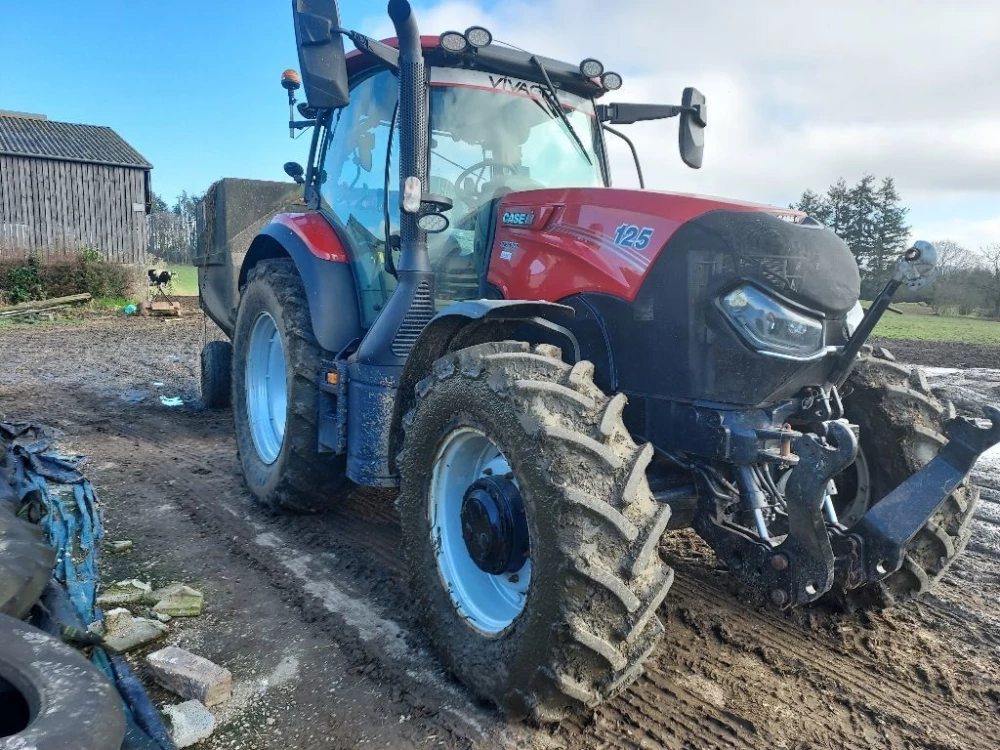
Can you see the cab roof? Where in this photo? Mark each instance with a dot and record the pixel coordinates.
(494, 58)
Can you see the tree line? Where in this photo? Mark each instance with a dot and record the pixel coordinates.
(173, 228)
(871, 218)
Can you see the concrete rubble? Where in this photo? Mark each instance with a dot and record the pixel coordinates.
(190, 676)
(124, 632)
(190, 723)
(123, 593)
(177, 600)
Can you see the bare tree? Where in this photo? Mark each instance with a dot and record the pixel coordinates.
(988, 279)
(952, 257)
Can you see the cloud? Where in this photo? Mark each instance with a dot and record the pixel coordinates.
(799, 93)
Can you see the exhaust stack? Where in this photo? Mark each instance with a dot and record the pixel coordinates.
(376, 368)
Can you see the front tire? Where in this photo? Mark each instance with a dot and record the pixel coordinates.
(275, 392)
(901, 427)
(586, 618)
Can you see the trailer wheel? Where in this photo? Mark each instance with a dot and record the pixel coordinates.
(51, 698)
(26, 563)
(529, 529)
(216, 374)
(275, 394)
(901, 430)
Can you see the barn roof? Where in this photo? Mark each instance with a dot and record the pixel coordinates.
(37, 137)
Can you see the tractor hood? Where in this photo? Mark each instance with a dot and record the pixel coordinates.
(608, 240)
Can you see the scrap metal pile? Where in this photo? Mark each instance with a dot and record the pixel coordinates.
(58, 687)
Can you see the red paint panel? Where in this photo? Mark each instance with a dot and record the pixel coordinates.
(316, 233)
(573, 250)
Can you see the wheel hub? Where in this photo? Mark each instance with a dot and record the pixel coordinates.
(494, 526)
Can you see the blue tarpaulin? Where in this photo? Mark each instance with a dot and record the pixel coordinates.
(50, 489)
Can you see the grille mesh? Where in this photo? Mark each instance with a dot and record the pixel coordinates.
(419, 315)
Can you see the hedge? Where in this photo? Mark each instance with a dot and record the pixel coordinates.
(35, 277)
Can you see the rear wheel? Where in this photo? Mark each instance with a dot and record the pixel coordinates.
(901, 427)
(275, 394)
(216, 369)
(530, 530)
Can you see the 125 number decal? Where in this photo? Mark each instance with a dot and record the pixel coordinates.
(629, 235)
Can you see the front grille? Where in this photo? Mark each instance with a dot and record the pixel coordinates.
(420, 314)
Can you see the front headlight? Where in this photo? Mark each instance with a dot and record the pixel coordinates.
(769, 326)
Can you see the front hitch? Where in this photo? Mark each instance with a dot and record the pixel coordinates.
(876, 546)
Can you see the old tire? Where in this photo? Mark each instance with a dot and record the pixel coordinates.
(26, 562)
(901, 430)
(216, 374)
(275, 394)
(51, 698)
(588, 618)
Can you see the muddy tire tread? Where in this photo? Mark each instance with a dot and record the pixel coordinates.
(916, 418)
(310, 481)
(604, 622)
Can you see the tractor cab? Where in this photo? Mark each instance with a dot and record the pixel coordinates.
(489, 134)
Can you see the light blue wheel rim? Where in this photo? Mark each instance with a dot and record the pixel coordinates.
(486, 602)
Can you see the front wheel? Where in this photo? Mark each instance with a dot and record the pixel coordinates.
(530, 530)
(275, 392)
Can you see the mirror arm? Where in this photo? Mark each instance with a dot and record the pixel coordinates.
(372, 47)
(300, 124)
(635, 154)
(627, 114)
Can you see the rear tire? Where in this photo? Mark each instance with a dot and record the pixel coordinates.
(277, 427)
(51, 698)
(26, 563)
(901, 428)
(216, 374)
(588, 618)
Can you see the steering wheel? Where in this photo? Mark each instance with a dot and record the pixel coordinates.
(469, 197)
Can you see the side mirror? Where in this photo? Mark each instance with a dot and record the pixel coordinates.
(321, 53)
(294, 170)
(694, 118)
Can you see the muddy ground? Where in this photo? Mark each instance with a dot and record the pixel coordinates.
(312, 615)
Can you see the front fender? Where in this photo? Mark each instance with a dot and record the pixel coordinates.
(465, 324)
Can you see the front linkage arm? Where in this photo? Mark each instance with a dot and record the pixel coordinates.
(876, 546)
(801, 568)
(817, 556)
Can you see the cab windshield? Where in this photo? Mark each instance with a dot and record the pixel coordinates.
(492, 134)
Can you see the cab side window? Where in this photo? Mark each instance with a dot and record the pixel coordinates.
(353, 186)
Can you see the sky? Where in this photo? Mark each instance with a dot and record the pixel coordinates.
(799, 93)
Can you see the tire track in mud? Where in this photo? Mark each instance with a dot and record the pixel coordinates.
(726, 674)
(313, 580)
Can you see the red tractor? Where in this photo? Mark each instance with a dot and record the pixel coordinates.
(555, 372)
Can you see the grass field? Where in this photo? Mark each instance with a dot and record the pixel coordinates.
(185, 283)
(925, 327)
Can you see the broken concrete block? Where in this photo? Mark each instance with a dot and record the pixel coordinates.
(123, 632)
(118, 548)
(124, 592)
(190, 676)
(190, 723)
(178, 600)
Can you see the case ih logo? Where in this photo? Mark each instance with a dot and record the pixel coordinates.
(517, 87)
(518, 218)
